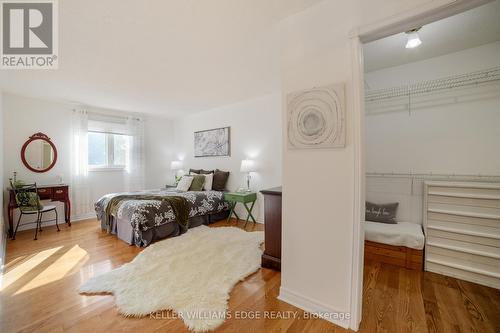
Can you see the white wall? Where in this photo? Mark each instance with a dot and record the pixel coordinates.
(460, 138)
(159, 151)
(24, 116)
(318, 185)
(255, 134)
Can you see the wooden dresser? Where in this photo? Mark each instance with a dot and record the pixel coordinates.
(272, 216)
(462, 230)
(59, 192)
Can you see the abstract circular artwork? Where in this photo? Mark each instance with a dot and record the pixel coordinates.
(316, 118)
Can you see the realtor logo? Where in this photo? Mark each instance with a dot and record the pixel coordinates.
(29, 34)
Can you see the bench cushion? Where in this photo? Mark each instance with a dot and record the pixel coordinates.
(400, 234)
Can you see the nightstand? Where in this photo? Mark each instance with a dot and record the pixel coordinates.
(244, 198)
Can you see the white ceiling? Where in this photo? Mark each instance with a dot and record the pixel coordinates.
(165, 56)
(472, 28)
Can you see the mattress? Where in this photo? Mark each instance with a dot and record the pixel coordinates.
(400, 234)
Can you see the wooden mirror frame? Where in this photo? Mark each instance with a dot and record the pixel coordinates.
(38, 136)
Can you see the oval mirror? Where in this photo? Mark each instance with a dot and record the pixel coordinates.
(39, 154)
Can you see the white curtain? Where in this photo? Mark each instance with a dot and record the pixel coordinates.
(79, 187)
(134, 175)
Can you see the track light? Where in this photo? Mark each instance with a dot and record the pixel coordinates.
(413, 39)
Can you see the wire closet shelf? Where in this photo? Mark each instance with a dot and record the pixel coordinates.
(456, 81)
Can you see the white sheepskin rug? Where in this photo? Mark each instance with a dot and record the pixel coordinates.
(192, 275)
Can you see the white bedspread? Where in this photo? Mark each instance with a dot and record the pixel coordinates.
(400, 234)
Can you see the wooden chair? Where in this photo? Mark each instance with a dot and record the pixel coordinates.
(28, 201)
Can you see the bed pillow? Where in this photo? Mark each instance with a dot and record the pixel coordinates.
(197, 183)
(220, 180)
(385, 213)
(184, 183)
(209, 178)
(200, 172)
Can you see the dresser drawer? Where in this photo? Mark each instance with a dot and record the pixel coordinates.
(59, 192)
(453, 243)
(489, 263)
(463, 272)
(463, 237)
(467, 225)
(461, 220)
(468, 202)
(45, 193)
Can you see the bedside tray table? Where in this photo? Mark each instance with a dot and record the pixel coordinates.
(244, 198)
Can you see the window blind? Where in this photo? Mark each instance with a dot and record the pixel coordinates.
(108, 124)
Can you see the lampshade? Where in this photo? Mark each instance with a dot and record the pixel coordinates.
(247, 166)
(176, 165)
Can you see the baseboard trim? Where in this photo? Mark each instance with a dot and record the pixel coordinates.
(3, 250)
(312, 306)
(271, 262)
(83, 217)
(79, 218)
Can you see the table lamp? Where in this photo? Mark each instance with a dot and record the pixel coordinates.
(247, 166)
(175, 166)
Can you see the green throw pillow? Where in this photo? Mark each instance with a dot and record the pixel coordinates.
(28, 201)
(198, 182)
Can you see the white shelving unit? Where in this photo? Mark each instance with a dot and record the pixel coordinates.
(425, 87)
(462, 230)
(459, 89)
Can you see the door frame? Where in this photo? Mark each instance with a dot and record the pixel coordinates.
(416, 17)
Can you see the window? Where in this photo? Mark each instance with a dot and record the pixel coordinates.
(107, 150)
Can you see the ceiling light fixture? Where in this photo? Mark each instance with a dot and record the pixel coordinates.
(413, 39)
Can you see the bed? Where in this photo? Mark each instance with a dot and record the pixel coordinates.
(140, 222)
(399, 244)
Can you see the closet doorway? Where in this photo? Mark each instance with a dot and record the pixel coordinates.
(431, 167)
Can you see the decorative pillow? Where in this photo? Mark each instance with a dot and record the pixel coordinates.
(209, 178)
(197, 183)
(184, 183)
(220, 180)
(385, 213)
(200, 172)
(28, 201)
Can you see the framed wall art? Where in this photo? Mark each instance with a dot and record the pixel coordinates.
(316, 118)
(212, 142)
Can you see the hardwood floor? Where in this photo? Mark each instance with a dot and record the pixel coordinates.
(39, 293)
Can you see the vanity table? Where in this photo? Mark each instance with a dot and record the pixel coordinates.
(39, 155)
(59, 192)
